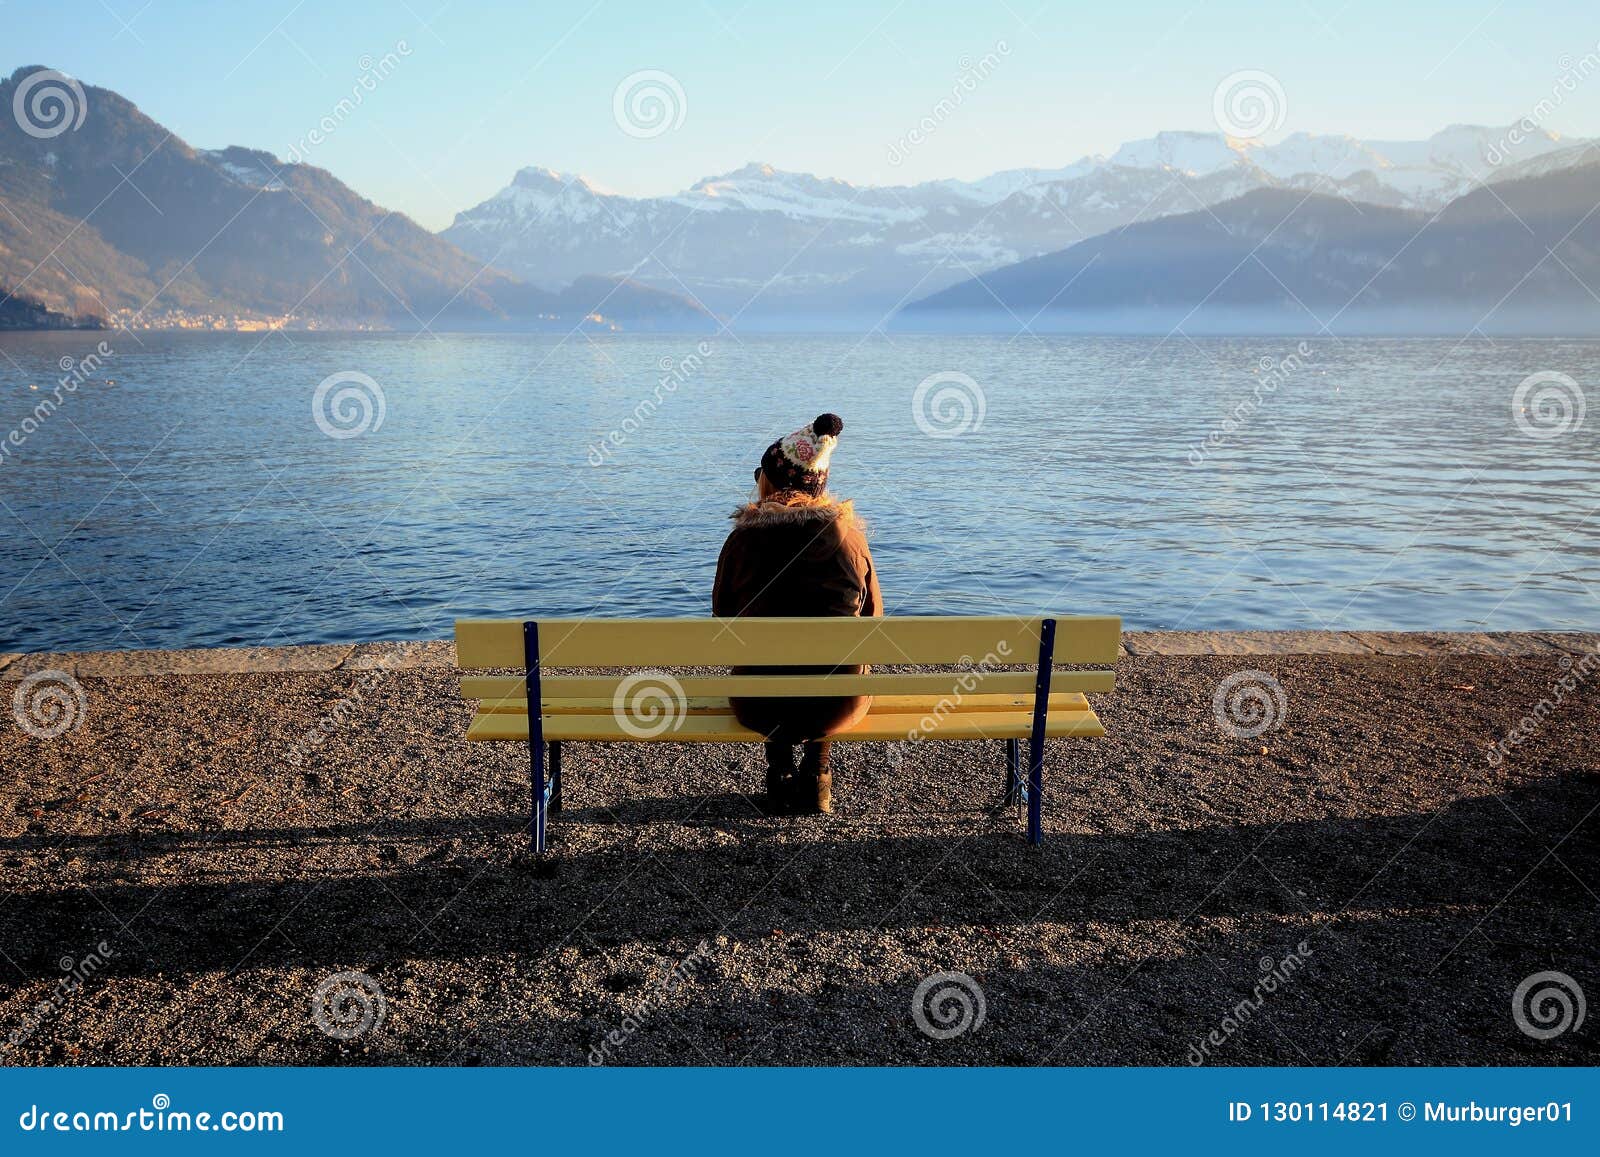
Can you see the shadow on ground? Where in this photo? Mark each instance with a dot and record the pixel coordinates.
(1408, 958)
(1423, 886)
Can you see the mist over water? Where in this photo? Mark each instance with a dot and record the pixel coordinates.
(1187, 482)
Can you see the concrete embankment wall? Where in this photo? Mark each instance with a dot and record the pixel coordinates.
(441, 653)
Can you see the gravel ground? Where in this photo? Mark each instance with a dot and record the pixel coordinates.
(1397, 886)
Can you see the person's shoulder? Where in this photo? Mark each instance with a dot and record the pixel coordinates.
(851, 521)
(736, 534)
(852, 534)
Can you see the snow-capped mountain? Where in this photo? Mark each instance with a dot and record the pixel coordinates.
(237, 234)
(1516, 258)
(763, 242)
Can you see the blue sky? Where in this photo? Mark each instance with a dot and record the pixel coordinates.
(483, 89)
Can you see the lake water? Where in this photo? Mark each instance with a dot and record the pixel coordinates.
(1187, 483)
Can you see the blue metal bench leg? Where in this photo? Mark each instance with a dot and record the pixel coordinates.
(1041, 712)
(1013, 780)
(537, 830)
(555, 776)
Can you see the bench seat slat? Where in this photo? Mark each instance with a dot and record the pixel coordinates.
(492, 726)
(883, 704)
(710, 642)
(916, 683)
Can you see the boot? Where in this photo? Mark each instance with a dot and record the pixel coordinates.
(780, 776)
(813, 784)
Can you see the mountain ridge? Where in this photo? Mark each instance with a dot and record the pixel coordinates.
(119, 218)
(758, 239)
(1522, 253)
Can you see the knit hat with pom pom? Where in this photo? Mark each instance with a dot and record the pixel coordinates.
(799, 461)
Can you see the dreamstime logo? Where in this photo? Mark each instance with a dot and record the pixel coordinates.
(948, 404)
(1528, 127)
(348, 1004)
(1248, 703)
(373, 73)
(48, 704)
(1573, 676)
(969, 76)
(674, 373)
(74, 373)
(948, 1004)
(967, 682)
(48, 103)
(155, 1119)
(649, 703)
(1275, 974)
(75, 975)
(1249, 104)
(348, 404)
(1547, 1004)
(649, 103)
(1270, 373)
(1547, 405)
(651, 1003)
(341, 711)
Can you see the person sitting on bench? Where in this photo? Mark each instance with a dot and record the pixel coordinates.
(796, 550)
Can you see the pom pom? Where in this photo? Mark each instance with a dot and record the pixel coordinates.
(828, 425)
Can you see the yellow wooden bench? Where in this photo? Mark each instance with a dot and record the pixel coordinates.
(987, 698)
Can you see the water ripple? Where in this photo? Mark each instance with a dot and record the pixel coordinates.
(1378, 483)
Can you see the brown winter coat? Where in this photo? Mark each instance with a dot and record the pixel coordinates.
(791, 554)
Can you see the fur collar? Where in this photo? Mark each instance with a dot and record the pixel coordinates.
(792, 508)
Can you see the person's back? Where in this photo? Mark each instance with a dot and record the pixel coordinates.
(797, 551)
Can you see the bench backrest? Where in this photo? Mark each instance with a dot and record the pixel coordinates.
(987, 643)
